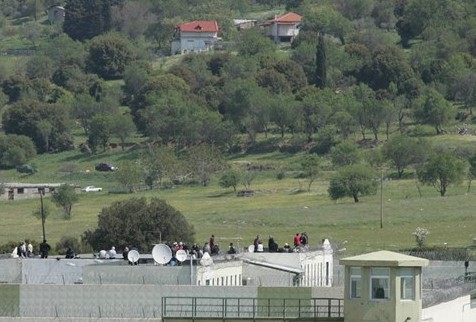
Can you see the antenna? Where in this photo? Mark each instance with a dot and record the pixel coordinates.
(181, 255)
(162, 254)
(133, 256)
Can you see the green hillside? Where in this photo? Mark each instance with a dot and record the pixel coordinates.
(279, 208)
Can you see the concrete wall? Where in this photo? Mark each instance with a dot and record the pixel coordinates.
(111, 301)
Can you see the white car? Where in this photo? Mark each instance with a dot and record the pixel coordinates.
(91, 189)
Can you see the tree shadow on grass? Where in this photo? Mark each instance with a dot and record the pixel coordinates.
(223, 194)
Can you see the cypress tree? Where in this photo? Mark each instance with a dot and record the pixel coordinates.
(320, 77)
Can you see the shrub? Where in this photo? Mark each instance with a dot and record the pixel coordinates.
(420, 235)
(68, 242)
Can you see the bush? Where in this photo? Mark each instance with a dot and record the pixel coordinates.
(68, 242)
(8, 247)
(420, 235)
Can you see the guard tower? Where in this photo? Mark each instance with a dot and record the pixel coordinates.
(383, 286)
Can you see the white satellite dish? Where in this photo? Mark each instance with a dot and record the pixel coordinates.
(181, 255)
(206, 260)
(133, 256)
(162, 253)
(251, 249)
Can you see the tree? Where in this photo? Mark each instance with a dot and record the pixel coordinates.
(325, 18)
(133, 18)
(433, 109)
(44, 130)
(83, 109)
(23, 118)
(129, 175)
(122, 126)
(316, 109)
(39, 67)
(345, 153)
(99, 132)
(109, 55)
(139, 222)
(15, 150)
(353, 181)
(65, 197)
(472, 170)
(310, 166)
(87, 19)
(203, 161)
(230, 178)
(403, 151)
(283, 109)
(160, 162)
(321, 62)
(253, 43)
(442, 170)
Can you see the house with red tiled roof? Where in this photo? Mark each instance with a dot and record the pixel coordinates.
(195, 36)
(283, 28)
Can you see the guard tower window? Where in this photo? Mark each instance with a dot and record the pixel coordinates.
(355, 282)
(380, 283)
(407, 284)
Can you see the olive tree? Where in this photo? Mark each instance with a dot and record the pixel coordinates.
(353, 181)
(65, 197)
(139, 222)
(442, 170)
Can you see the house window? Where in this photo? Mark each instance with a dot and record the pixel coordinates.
(407, 284)
(355, 282)
(380, 283)
(21, 191)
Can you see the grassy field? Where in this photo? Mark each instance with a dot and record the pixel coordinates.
(280, 208)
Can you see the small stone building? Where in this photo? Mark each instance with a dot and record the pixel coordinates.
(17, 191)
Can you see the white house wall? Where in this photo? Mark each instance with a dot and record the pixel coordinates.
(193, 41)
(287, 30)
(456, 310)
(220, 274)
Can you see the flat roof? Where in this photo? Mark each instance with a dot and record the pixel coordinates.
(384, 258)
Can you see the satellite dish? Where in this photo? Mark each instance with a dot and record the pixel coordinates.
(133, 256)
(181, 255)
(162, 253)
(251, 248)
(206, 260)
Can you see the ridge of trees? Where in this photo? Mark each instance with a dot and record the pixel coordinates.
(356, 68)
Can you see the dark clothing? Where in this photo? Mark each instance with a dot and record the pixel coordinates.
(232, 250)
(304, 239)
(272, 245)
(44, 249)
(256, 242)
(69, 253)
(211, 242)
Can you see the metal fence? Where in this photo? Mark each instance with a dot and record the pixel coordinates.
(251, 308)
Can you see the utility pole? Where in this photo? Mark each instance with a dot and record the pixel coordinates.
(42, 192)
(381, 200)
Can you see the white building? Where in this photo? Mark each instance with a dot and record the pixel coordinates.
(284, 28)
(196, 36)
